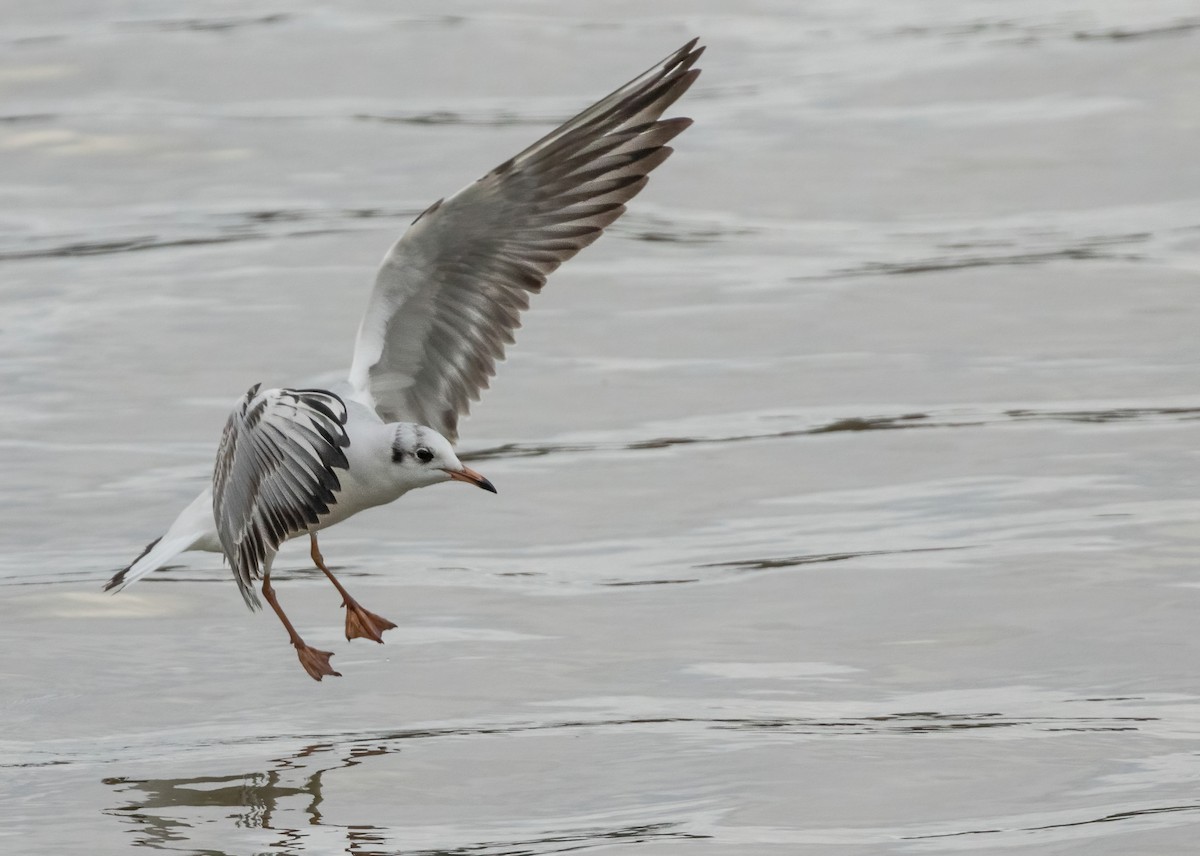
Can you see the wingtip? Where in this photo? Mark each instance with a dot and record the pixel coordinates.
(684, 57)
(689, 53)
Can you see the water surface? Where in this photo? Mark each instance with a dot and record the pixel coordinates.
(847, 489)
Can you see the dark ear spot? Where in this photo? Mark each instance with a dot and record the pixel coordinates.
(397, 455)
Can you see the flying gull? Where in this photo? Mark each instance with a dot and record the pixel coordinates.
(446, 302)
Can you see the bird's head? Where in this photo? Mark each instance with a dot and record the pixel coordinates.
(424, 457)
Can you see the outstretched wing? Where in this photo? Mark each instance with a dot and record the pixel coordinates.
(275, 473)
(450, 292)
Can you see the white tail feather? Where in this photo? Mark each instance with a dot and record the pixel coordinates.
(193, 529)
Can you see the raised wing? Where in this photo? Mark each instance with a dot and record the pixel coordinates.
(451, 291)
(275, 473)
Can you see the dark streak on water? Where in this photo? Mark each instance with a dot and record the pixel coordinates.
(822, 558)
(502, 119)
(958, 419)
(129, 245)
(1120, 414)
(933, 265)
(16, 118)
(1108, 818)
(1019, 32)
(1095, 248)
(1178, 28)
(242, 226)
(209, 25)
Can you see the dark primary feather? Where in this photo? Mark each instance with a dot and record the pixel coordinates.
(275, 473)
(451, 291)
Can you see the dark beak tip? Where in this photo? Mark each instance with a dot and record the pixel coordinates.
(468, 475)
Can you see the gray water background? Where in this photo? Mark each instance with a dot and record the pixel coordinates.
(848, 488)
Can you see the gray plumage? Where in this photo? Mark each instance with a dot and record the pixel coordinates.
(275, 474)
(451, 291)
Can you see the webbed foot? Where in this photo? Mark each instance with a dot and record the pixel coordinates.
(315, 662)
(362, 624)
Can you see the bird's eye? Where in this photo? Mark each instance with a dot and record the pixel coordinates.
(424, 455)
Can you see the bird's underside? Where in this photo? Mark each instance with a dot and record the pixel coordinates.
(446, 303)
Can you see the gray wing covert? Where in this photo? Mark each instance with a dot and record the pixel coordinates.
(275, 473)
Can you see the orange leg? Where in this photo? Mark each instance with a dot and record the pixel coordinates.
(359, 622)
(314, 661)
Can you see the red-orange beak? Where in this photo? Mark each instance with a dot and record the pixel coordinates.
(468, 475)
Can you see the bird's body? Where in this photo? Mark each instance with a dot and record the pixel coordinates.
(365, 484)
(446, 302)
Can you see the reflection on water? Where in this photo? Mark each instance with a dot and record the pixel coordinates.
(287, 797)
(285, 800)
(256, 797)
